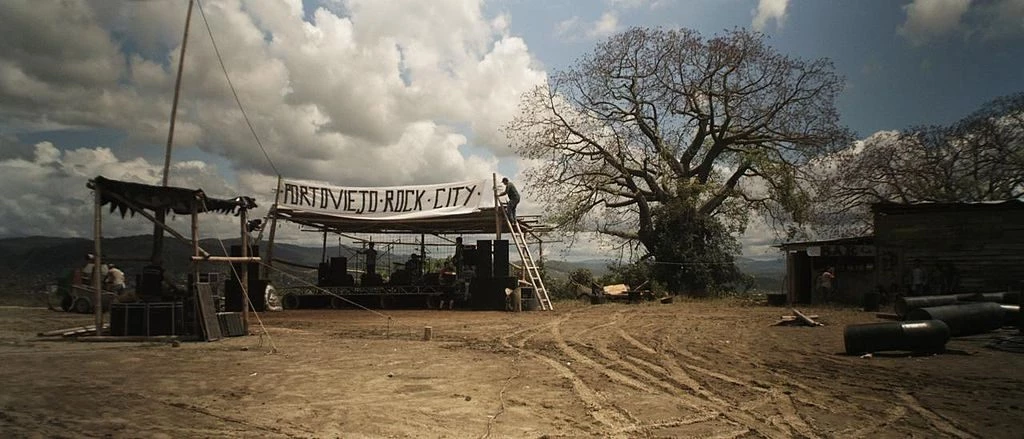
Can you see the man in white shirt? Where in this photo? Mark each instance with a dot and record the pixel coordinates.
(114, 280)
(87, 270)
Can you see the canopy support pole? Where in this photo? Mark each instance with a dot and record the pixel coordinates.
(244, 275)
(273, 225)
(497, 207)
(97, 283)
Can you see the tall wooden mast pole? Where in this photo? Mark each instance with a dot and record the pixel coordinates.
(158, 232)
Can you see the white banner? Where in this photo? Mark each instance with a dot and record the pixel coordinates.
(396, 202)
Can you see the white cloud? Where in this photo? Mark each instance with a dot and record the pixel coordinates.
(769, 10)
(365, 93)
(575, 29)
(1002, 18)
(48, 195)
(929, 19)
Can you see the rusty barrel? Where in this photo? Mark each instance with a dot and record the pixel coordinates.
(912, 336)
(963, 319)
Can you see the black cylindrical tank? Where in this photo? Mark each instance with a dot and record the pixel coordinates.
(903, 305)
(963, 319)
(913, 336)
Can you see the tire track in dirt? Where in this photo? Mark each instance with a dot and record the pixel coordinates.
(672, 369)
(936, 420)
(894, 414)
(598, 407)
(687, 389)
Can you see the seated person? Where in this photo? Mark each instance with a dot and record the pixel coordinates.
(86, 278)
(114, 280)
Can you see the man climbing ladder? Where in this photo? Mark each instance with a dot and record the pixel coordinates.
(513, 199)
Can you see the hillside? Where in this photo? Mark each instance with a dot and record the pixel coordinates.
(29, 262)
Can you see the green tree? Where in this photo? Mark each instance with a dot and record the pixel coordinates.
(979, 158)
(697, 257)
(727, 119)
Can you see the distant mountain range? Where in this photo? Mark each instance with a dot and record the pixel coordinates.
(27, 263)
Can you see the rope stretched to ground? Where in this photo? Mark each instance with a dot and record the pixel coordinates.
(501, 394)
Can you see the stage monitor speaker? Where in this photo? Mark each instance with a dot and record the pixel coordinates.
(484, 265)
(152, 282)
(233, 295)
(501, 267)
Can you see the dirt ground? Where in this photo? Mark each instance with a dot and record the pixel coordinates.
(688, 369)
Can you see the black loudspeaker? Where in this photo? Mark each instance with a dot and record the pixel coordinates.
(233, 295)
(257, 286)
(484, 268)
(489, 293)
(151, 282)
(323, 274)
(501, 267)
(339, 271)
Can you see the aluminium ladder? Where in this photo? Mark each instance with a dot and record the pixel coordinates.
(532, 271)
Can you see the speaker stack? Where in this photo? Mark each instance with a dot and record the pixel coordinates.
(487, 288)
(501, 266)
(233, 286)
(484, 265)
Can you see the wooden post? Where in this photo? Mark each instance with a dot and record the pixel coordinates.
(193, 265)
(273, 226)
(97, 281)
(244, 275)
(158, 233)
(497, 208)
(323, 250)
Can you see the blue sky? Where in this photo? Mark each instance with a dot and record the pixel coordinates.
(360, 92)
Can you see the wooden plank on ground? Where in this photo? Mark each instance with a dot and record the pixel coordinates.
(807, 320)
(207, 312)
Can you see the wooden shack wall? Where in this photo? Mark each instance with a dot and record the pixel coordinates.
(975, 248)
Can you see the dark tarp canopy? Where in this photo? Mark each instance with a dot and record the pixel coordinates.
(181, 201)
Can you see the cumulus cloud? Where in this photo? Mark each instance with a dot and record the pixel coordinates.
(357, 93)
(47, 193)
(575, 29)
(769, 10)
(929, 19)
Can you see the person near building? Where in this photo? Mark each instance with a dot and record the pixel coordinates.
(826, 283)
(918, 279)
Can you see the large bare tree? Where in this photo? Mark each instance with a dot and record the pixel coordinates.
(720, 124)
(979, 158)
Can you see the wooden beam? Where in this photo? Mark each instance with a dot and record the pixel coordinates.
(807, 320)
(229, 259)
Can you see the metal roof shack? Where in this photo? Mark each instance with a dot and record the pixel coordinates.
(852, 258)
